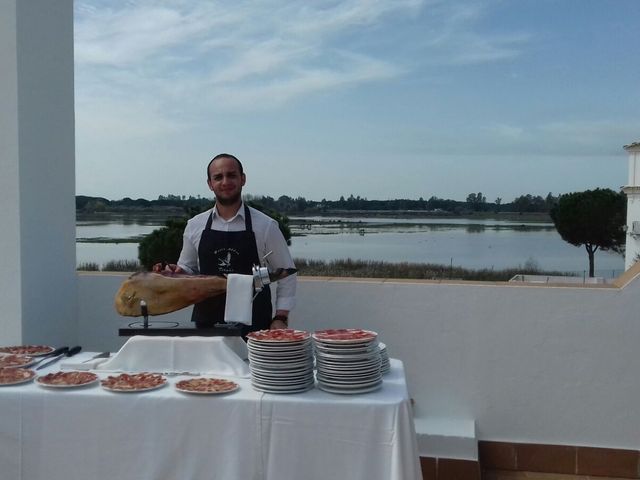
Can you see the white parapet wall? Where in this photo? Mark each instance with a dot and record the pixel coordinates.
(528, 363)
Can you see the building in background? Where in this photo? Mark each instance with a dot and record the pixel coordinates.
(632, 190)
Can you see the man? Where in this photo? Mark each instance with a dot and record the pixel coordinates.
(231, 238)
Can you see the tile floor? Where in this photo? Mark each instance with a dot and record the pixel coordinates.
(504, 475)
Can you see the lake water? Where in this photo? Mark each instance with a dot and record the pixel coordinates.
(477, 244)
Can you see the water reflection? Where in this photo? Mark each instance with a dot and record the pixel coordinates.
(494, 244)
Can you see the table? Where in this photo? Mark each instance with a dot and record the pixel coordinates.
(89, 433)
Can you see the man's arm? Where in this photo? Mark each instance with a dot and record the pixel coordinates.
(285, 288)
(188, 261)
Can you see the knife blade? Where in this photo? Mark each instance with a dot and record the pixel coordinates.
(69, 352)
(99, 355)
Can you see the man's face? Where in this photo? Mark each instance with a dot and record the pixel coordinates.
(225, 180)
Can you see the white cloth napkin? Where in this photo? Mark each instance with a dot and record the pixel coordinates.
(239, 304)
(199, 355)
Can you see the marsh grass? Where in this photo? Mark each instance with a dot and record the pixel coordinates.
(121, 266)
(376, 269)
(369, 269)
(88, 267)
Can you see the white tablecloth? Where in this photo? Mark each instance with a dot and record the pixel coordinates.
(93, 434)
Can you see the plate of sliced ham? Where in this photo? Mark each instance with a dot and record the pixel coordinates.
(71, 379)
(10, 360)
(280, 335)
(33, 350)
(134, 382)
(344, 335)
(206, 386)
(15, 376)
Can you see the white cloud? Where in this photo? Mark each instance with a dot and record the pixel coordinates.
(242, 48)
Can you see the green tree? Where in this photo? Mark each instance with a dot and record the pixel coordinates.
(593, 218)
(163, 244)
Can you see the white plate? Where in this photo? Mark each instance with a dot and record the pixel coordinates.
(46, 349)
(353, 357)
(285, 336)
(278, 347)
(267, 389)
(350, 382)
(283, 378)
(195, 392)
(349, 392)
(20, 380)
(49, 385)
(29, 360)
(337, 365)
(134, 390)
(344, 336)
(280, 365)
(348, 348)
(280, 355)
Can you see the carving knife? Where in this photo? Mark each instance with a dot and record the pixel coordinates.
(55, 353)
(70, 352)
(281, 273)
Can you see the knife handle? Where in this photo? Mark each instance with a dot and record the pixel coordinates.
(72, 351)
(58, 351)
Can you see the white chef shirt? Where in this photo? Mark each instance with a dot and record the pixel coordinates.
(269, 238)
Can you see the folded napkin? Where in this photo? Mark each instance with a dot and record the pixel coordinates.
(199, 355)
(239, 304)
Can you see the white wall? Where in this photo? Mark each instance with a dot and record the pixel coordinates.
(632, 190)
(10, 278)
(38, 279)
(528, 363)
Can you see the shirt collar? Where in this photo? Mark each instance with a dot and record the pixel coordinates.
(239, 213)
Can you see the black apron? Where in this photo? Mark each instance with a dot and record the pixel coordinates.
(220, 253)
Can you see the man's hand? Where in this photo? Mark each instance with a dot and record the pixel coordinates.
(277, 325)
(280, 321)
(167, 267)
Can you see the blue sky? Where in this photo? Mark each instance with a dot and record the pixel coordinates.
(375, 98)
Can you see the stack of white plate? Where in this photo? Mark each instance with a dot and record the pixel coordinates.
(385, 366)
(281, 361)
(347, 360)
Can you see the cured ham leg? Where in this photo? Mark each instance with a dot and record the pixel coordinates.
(165, 293)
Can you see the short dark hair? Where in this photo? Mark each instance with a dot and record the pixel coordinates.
(224, 155)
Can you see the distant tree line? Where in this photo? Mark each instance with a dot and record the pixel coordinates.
(86, 204)
(475, 202)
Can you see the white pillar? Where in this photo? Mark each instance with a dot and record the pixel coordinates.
(632, 190)
(38, 283)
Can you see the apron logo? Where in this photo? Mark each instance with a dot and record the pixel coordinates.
(224, 257)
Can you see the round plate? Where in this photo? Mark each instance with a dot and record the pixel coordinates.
(352, 357)
(344, 335)
(31, 350)
(15, 376)
(267, 389)
(279, 349)
(349, 382)
(212, 386)
(13, 360)
(86, 378)
(132, 378)
(269, 365)
(281, 335)
(134, 390)
(353, 391)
